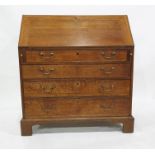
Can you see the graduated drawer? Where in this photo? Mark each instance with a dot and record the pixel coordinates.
(74, 87)
(76, 107)
(76, 71)
(57, 56)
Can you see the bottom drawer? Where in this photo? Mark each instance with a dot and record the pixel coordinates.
(76, 107)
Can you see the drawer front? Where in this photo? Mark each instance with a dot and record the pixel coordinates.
(77, 88)
(76, 107)
(76, 71)
(75, 56)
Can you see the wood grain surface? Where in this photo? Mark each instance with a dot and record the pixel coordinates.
(76, 70)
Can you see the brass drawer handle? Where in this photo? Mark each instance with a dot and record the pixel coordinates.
(44, 55)
(108, 57)
(48, 88)
(107, 71)
(106, 106)
(51, 53)
(46, 71)
(41, 53)
(107, 89)
(47, 107)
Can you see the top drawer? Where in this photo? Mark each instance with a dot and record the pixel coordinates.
(79, 56)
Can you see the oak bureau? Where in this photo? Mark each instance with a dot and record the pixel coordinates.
(76, 71)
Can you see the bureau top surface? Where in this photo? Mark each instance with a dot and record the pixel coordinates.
(75, 31)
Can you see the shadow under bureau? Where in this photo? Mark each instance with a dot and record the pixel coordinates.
(76, 71)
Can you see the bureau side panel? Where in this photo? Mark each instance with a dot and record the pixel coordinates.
(132, 72)
(21, 60)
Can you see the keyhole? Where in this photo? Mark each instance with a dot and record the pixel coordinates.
(78, 84)
(77, 53)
